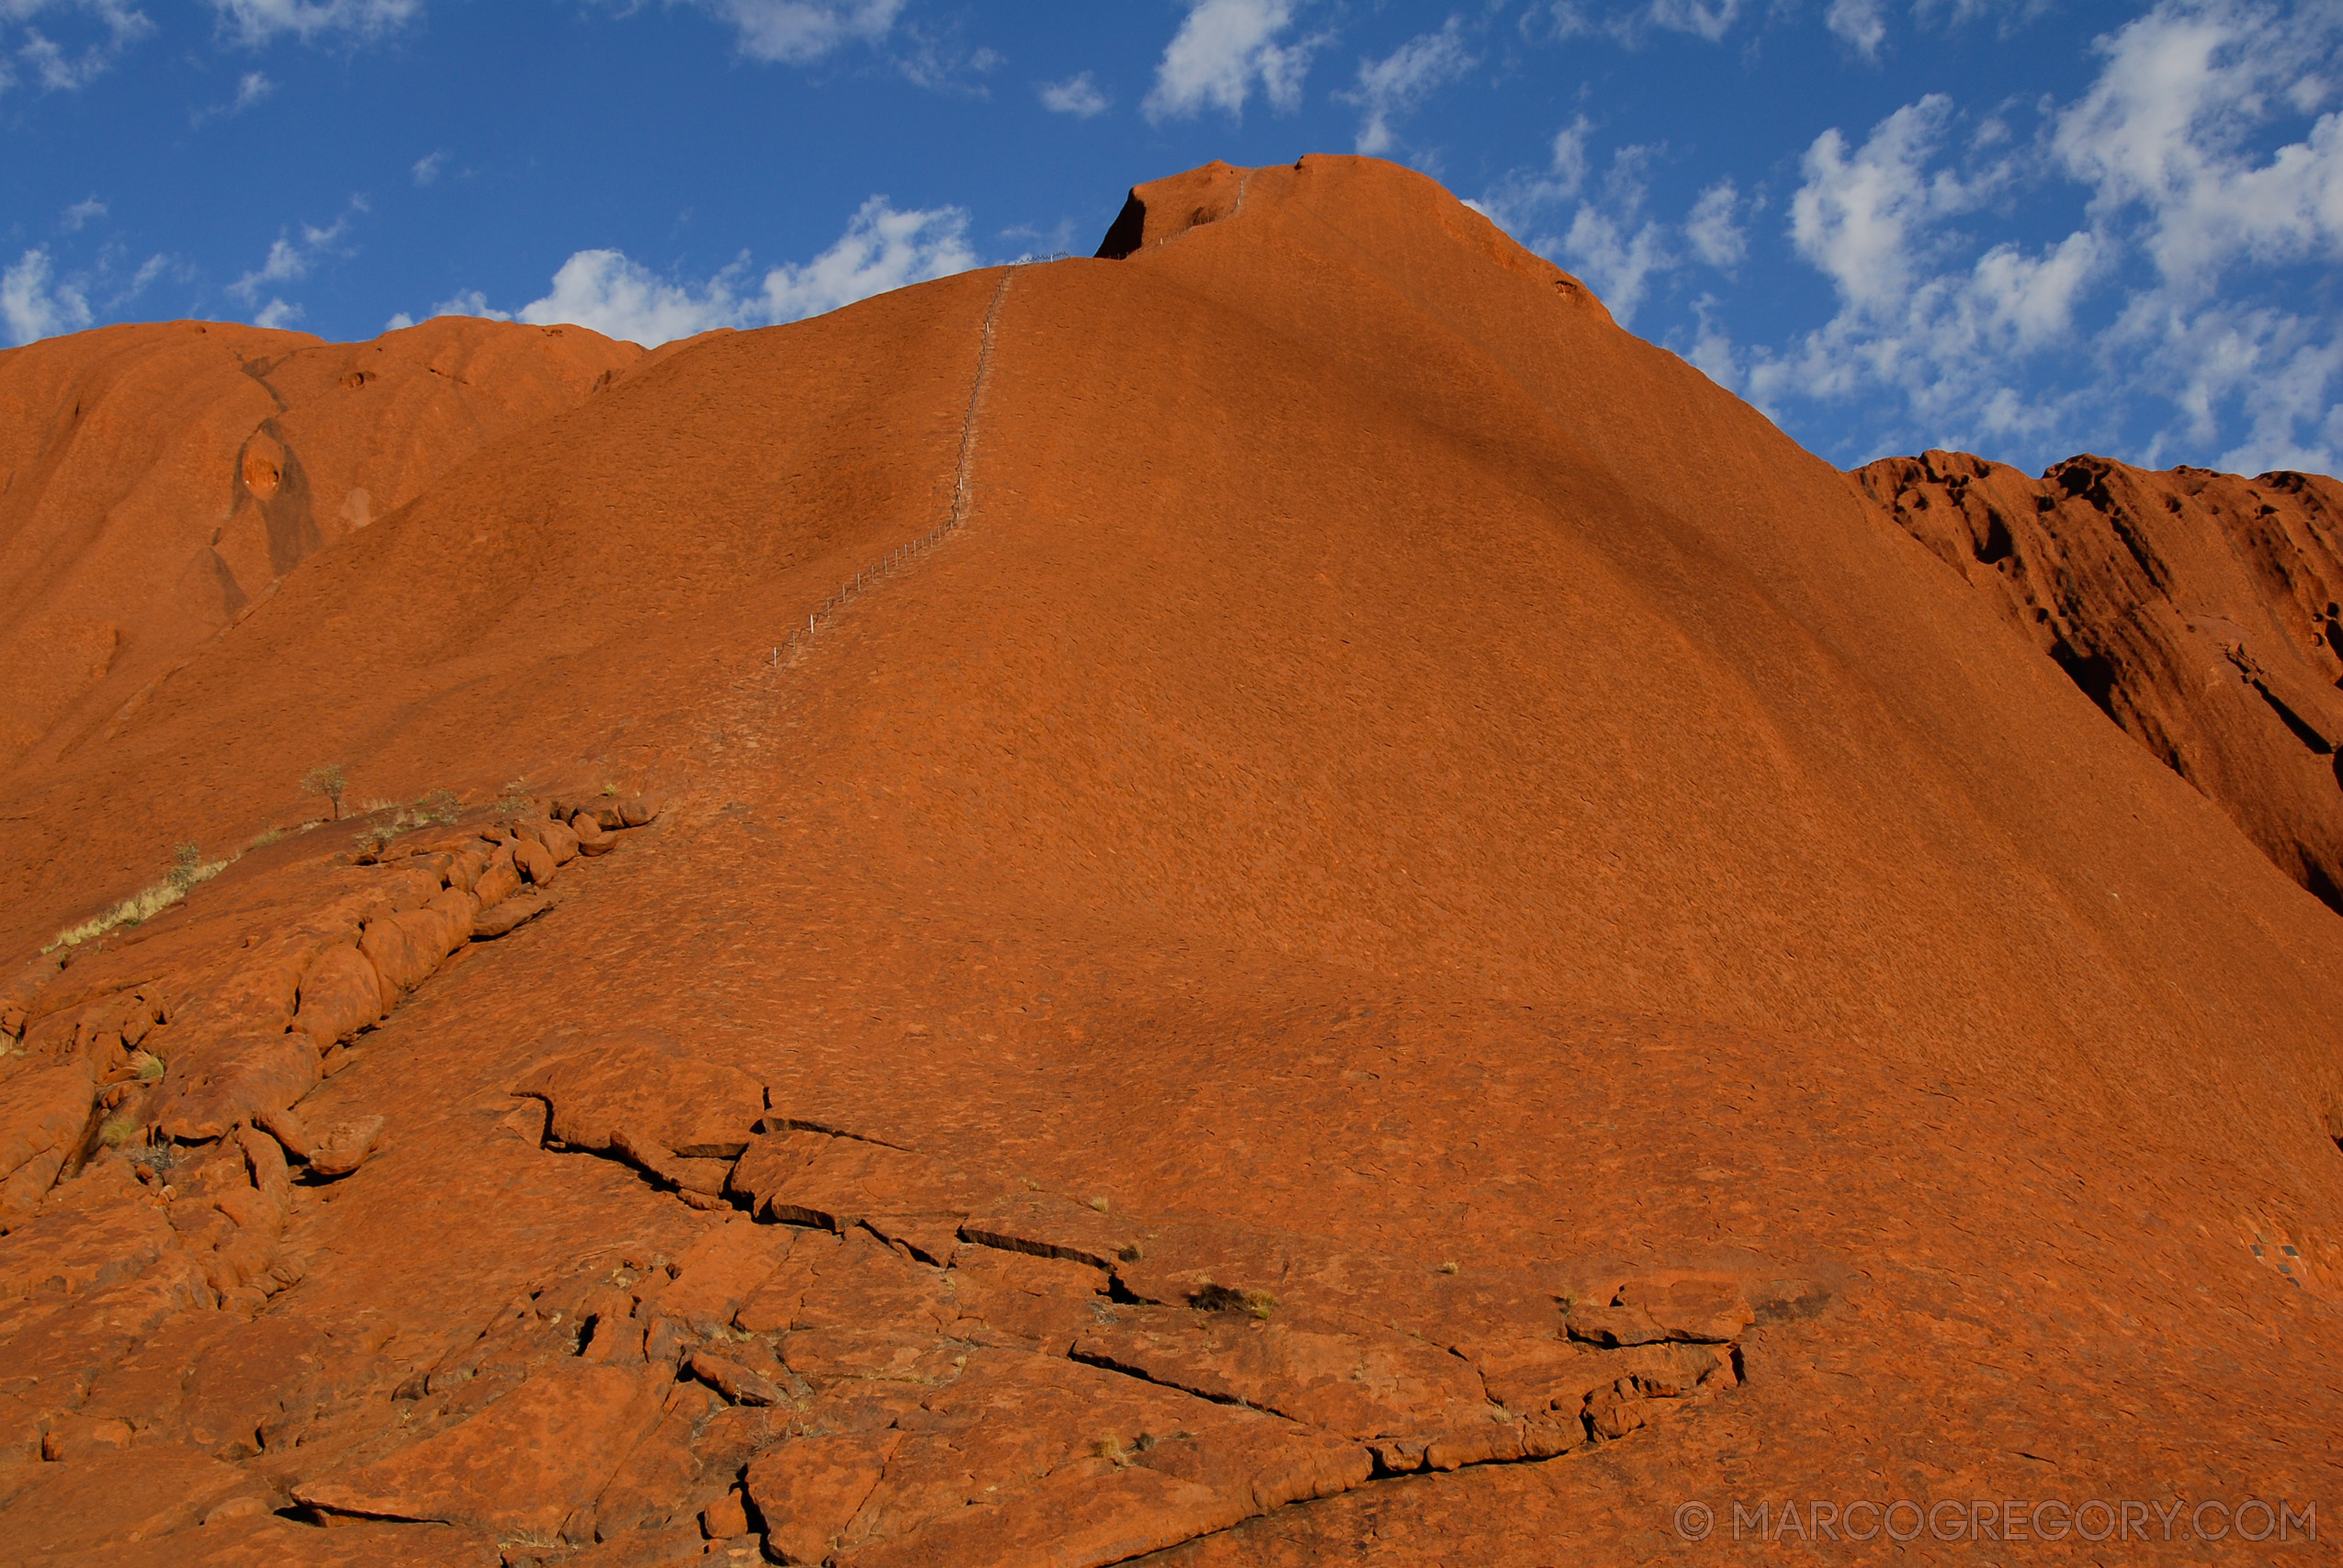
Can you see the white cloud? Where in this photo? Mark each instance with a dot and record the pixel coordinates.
(623, 299)
(82, 213)
(289, 260)
(797, 32)
(32, 305)
(1617, 255)
(428, 167)
(1706, 20)
(256, 22)
(2163, 130)
(613, 295)
(881, 249)
(1224, 48)
(1401, 80)
(2169, 320)
(1860, 23)
(252, 89)
(1076, 96)
(1711, 229)
(1569, 159)
(61, 67)
(1611, 240)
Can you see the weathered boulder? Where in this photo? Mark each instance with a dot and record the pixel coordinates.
(236, 1078)
(499, 879)
(592, 838)
(534, 861)
(506, 914)
(342, 1148)
(641, 1091)
(342, 993)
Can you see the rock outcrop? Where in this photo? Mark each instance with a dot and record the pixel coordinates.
(160, 479)
(1314, 909)
(2198, 610)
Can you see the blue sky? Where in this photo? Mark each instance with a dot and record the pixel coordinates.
(2021, 227)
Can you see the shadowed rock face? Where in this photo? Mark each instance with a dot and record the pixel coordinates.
(2198, 610)
(160, 479)
(1278, 901)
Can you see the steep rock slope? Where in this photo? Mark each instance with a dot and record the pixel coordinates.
(160, 479)
(2198, 609)
(1390, 844)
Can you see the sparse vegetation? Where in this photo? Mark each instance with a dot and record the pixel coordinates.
(610, 789)
(1099, 1204)
(440, 807)
(148, 1064)
(515, 804)
(326, 779)
(189, 868)
(267, 837)
(1226, 1298)
(118, 1131)
(1448, 1268)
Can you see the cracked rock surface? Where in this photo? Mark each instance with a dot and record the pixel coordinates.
(1416, 942)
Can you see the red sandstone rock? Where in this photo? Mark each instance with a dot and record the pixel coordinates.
(534, 861)
(236, 1078)
(42, 1115)
(1148, 853)
(499, 881)
(342, 993)
(132, 417)
(343, 1147)
(592, 838)
(809, 1491)
(404, 948)
(639, 1086)
(508, 914)
(527, 1463)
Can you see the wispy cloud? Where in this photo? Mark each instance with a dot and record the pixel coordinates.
(64, 45)
(291, 257)
(256, 22)
(428, 167)
(797, 32)
(1223, 51)
(1076, 96)
(604, 289)
(34, 304)
(1399, 81)
(81, 215)
(2170, 313)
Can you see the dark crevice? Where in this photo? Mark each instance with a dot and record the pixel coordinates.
(1999, 547)
(2094, 674)
(2320, 884)
(2303, 731)
(1126, 232)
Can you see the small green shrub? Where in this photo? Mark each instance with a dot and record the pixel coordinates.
(326, 779)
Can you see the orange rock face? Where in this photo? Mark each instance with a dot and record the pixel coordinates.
(2198, 610)
(1271, 899)
(161, 479)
